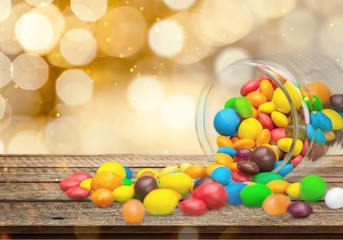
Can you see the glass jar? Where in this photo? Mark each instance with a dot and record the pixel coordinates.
(299, 69)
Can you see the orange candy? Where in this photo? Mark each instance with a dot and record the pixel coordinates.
(272, 148)
(211, 167)
(321, 90)
(254, 112)
(276, 204)
(196, 171)
(244, 143)
(256, 98)
(133, 211)
(263, 137)
(234, 139)
(148, 173)
(224, 141)
(223, 159)
(108, 180)
(266, 88)
(233, 166)
(102, 197)
(278, 186)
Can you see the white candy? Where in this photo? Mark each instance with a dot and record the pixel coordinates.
(334, 198)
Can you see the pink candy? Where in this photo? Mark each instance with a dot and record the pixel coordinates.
(265, 121)
(250, 86)
(277, 134)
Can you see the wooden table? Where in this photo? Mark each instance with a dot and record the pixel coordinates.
(32, 205)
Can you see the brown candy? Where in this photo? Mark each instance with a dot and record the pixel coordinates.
(264, 157)
(248, 167)
(144, 185)
(202, 181)
(336, 102)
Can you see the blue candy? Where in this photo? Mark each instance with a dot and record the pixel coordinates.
(227, 150)
(310, 131)
(313, 119)
(285, 169)
(226, 122)
(234, 190)
(222, 174)
(323, 122)
(320, 137)
(128, 172)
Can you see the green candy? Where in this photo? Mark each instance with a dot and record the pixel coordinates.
(308, 103)
(254, 195)
(243, 107)
(231, 103)
(318, 105)
(266, 177)
(312, 188)
(127, 182)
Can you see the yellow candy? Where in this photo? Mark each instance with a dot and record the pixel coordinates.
(183, 166)
(124, 193)
(154, 171)
(263, 137)
(168, 169)
(329, 136)
(336, 119)
(244, 143)
(86, 184)
(112, 167)
(281, 102)
(279, 119)
(267, 107)
(179, 182)
(161, 201)
(285, 144)
(293, 191)
(223, 159)
(249, 128)
(233, 166)
(224, 141)
(294, 94)
(278, 186)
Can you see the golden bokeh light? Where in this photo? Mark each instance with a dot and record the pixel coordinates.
(37, 3)
(89, 10)
(5, 9)
(5, 70)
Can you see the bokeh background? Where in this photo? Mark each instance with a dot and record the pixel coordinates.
(123, 76)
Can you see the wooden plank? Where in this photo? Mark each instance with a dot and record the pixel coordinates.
(231, 218)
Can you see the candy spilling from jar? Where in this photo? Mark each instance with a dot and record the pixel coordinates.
(195, 189)
(256, 129)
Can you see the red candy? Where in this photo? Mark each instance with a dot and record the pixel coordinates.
(68, 183)
(250, 86)
(305, 147)
(265, 121)
(80, 176)
(276, 134)
(295, 161)
(238, 176)
(192, 207)
(212, 194)
(77, 193)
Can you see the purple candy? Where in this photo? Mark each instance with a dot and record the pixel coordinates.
(242, 155)
(300, 209)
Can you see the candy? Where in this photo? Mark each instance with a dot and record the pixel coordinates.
(127, 182)
(278, 186)
(265, 121)
(228, 150)
(300, 209)
(320, 137)
(222, 175)
(196, 171)
(264, 157)
(318, 105)
(336, 119)
(266, 177)
(144, 185)
(279, 119)
(263, 137)
(267, 89)
(179, 182)
(154, 172)
(202, 181)
(169, 169)
(161, 201)
(281, 102)
(285, 144)
(223, 159)
(242, 154)
(336, 102)
(243, 107)
(329, 136)
(248, 167)
(128, 172)
(87, 184)
(184, 166)
(124, 193)
(287, 168)
(233, 166)
(68, 183)
(276, 134)
(114, 167)
(321, 90)
(244, 143)
(249, 86)
(102, 197)
(295, 96)
(312, 188)
(133, 211)
(323, 122)
(211, 167)
(80, 176)
(226, 122)
(334, 198)
(192, 207)
(238, 176)
(224, 141)
(233, 191)
(249, 128)
(254, 195)
(108, 180)
(276, 204)
(212, 194)
(310, 131)
(231, 103)
(293, 191)
(267, 107)
(308, 103)
(275, 149)
(256, 98)
(295, 161)
(77, 193)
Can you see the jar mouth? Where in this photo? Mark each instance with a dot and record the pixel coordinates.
(205, 128)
